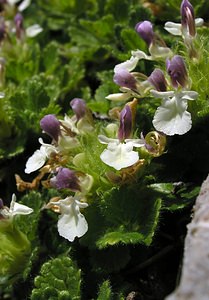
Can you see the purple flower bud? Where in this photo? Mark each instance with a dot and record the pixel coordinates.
(51, 126)
(65, 179)
(177, 70)
(157, 79)
(145, 30)
(79, 107)
(187, 17)
(19, 25)
(125, 79)
(125, 128)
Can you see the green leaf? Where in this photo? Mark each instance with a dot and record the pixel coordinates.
(29, 223)
(110, 259)
(51, 57)
(176, 196)
(59, 278)
(119, 9)
(105, 292)
(132, 215)
(101, 29)
(131, 40)
(22, 61)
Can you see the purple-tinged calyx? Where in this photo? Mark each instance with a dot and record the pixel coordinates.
(18, 19)
(125, 79)
(79, 107)
(125, 128)
(145, 31)
(187, 17)
(50, 125)
(65, 179)
(157, 79)
(177, 71)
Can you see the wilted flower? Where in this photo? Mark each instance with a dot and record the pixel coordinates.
(155, 143)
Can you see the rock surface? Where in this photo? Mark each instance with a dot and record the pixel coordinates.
(194, 282)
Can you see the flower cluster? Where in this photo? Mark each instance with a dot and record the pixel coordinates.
(85, 155)
(171, 117)
(76, 161)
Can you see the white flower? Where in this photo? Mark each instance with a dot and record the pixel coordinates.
(33, 30)
(15, 209)
(156, 51)
(172, 116)
(71, 223)
(69, 123)
(39, 157)
(128, 65)
(176, 28)
(120, 155)
(23, 5)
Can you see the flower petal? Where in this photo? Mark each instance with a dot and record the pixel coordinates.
(136, 142)
(141, 55)
(159, 52)
(172, 118)
(36, 161)
(128, 65)
(119, 97)
(199, 22)
(173, 28)
(33, 30)
(20, 209)
(189, 95)
(105, 140)
(24, 5)
(71, 223)
(162, 95)
(120, 156)
(17, 208)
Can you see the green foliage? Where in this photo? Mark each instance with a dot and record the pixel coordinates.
(29, 223)
(105, 292)
(176, 196)
(75, 56)
(59, 279)
(128, 216)
(14, 251)
(169, 10)
(110, 259)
